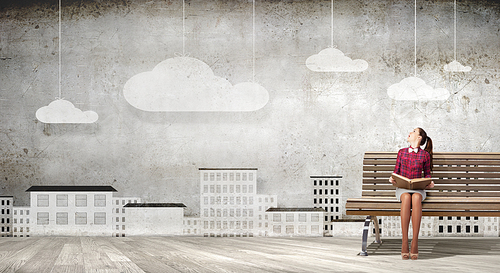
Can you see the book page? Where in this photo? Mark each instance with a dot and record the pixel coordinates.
(413, 184)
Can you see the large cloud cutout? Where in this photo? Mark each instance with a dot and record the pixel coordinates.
(413, 88)
(188, 84)
(334, 60)
(63, 111)
(456, 67)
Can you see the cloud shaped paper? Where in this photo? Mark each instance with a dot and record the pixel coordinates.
(63, 111)
(415, 89)
(334, 60)
(456, 67)
(188, 84)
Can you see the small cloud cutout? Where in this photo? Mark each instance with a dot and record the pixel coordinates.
(63, 111)
(413, 88)
(334, 60)
(456, 67)
(182, 84)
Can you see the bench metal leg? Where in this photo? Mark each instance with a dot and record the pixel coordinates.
(366, 229)
(377, 230)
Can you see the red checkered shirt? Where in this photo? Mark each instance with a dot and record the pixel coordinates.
(411, 165)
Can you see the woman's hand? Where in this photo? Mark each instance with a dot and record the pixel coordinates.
(431, 185)
(392, 181)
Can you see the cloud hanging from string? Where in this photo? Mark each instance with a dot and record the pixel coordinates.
(63, 111)
(456, 67)
(334, 60)
(415, 89)
(183, 84)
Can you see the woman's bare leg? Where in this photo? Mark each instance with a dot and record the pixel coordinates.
(406, 201)
(416, 218)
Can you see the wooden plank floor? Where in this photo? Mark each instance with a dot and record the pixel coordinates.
(258, 254)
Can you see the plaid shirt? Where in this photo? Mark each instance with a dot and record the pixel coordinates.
(411, 165)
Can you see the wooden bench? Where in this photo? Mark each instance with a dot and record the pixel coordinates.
(466, 184)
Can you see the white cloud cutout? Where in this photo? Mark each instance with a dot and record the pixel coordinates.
(413, 88)
(188, 84)
(63, 111)
(334, 60)
(456, 67)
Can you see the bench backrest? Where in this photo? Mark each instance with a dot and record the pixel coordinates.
(454, 174)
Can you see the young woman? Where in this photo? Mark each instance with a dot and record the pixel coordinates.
(411, 162)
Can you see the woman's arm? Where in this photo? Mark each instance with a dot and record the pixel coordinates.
(397, 168)
(427, 166)
(427, 171)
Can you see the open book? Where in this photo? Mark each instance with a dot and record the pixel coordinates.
(411, 184)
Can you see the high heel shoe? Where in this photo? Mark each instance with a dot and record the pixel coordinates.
(414, 256)
(405, 256)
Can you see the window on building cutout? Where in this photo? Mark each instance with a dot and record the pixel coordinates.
(81, 200)
(80, 218)
(42, 200)
(100, 200)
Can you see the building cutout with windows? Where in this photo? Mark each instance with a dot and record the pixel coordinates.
(230, 205)
(21, 221)
(6, 207)
(191, 226)
(71, 210)
(119, 215)
(327, 194)
(456, 226)
(296, 221)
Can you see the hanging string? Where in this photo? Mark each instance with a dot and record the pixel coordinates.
(183, 29)
(455, 33)
(253, 41)
(60, 55)
(332, 24)
(415, 46)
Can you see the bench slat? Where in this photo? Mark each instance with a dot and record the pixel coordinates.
(437, 169)
(437, 155)
(435, 194)
(380, 199)
(436, 162)
(443, 175)
(437, 187)
(382, 181)
(427, 213)
(426, 206)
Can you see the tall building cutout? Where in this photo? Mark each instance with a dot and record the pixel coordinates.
(327, 194)
(230, 205)
(6, 207)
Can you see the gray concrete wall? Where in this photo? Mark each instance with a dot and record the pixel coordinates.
(315, 123)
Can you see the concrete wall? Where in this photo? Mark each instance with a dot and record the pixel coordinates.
(317, 123)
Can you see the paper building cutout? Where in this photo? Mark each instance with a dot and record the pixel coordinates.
(188, 84)
(63, 111)
(415, 89)
(456, 67)
(334, 60)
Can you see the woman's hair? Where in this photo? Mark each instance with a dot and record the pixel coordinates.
(428, 143)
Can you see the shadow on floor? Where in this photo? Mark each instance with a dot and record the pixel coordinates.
(432, 248)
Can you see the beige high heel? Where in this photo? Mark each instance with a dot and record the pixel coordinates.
(405, 256)
(413, 256)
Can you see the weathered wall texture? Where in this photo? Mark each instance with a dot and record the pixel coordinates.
(315, 123)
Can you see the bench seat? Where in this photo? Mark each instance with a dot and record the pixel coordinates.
(431, 206)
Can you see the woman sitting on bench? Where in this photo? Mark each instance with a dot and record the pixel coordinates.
(411, 162)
